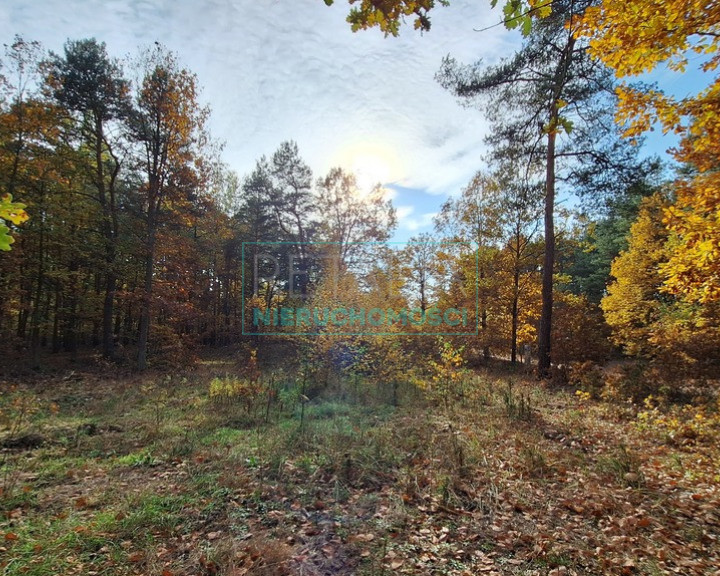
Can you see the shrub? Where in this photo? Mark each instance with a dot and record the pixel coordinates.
(587, 377)
(680, 424)
(448, 374)
(631, 383)
(230, 391)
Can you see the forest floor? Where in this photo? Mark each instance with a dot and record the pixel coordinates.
(147, 475)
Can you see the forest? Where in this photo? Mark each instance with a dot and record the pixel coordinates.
(209, 372)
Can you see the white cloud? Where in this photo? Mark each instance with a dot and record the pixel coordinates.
(421, 222)
(275, 70)
(403, 212)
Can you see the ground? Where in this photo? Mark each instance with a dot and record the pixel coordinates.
(150, 475)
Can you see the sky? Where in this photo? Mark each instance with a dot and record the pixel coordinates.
(276, 70)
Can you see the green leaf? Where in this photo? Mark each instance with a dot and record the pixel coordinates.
(5, 238)
(526, 25)
(567, 125)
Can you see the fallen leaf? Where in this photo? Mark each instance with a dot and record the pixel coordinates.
(369, 537)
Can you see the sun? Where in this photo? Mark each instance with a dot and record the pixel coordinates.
(372, 164)
(370, 170)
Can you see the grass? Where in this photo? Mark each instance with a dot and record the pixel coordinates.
(145, 478)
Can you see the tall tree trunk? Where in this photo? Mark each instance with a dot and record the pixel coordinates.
(549, 260)
(106, 196)
(25, 291)
(147, 296)
(56, 317)
(483, 319)
(70, 338)
(108, 342)
(545, 336)
(514, 312)
(35, 317)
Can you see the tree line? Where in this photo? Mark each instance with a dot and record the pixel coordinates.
(135, 224)
(660, 299)
(142, 242)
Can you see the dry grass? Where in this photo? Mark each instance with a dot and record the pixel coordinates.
(144, 476)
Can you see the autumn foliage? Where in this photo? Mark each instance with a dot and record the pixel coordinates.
(637, 38)
(12, 212)
(362, 448)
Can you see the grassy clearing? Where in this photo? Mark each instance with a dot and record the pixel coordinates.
(152, 476)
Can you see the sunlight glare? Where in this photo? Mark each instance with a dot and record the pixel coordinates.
(372, 164)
